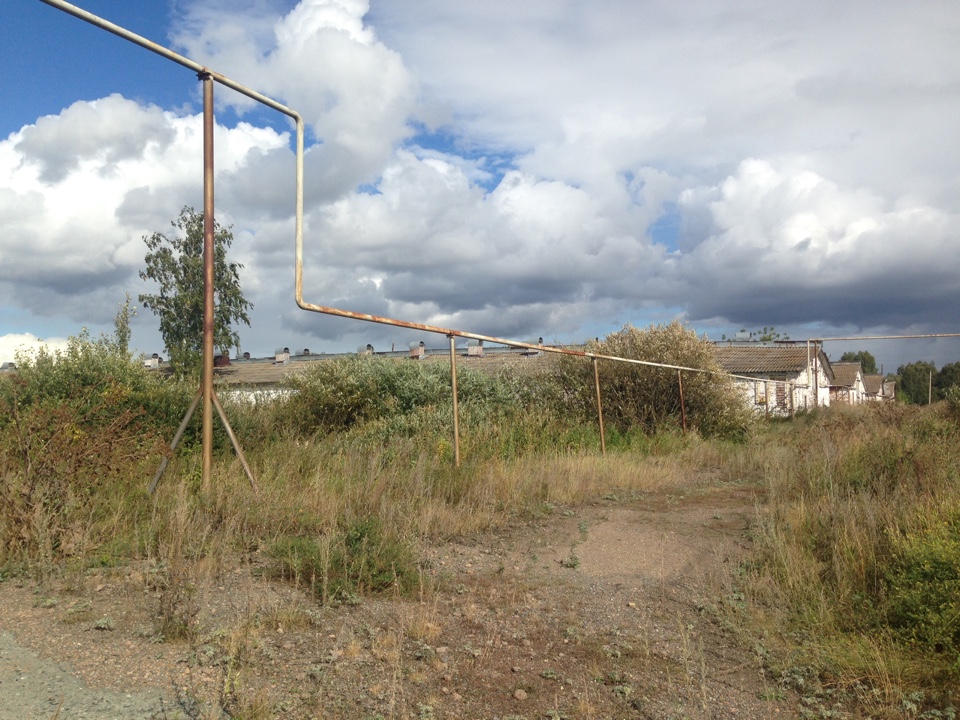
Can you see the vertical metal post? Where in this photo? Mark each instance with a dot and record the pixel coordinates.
(206, 384)
(683, 410)
(456, 405)
(596, 379)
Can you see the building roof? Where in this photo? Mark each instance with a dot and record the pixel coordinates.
(763, 358)
(257, 373)
(873, 384)
(845, 373)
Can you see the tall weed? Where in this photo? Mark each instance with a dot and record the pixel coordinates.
(859, 545)
(349, 391)
(649, 398)
(75, 426)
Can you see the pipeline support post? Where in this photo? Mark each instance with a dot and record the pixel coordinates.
(683, 409)
(208, 262)
(596, 379)
(456, 402)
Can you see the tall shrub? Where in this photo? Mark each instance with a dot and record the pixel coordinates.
(649, 398)
(339, 394)
(73, 425)
(858, 544)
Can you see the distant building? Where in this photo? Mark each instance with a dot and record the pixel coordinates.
(876, 389)
(780, 378)
(847, 386)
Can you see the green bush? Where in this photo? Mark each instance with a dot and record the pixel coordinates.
(348, 391)
(75, 426)
(647, 397)
(923, 587)
(342, 393)
(952, 396)
(99, 381)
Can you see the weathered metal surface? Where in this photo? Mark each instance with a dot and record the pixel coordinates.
(206, 382)
(596, 381)
(456, 402)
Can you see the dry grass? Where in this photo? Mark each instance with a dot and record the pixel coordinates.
(845, 490)
(856, 502)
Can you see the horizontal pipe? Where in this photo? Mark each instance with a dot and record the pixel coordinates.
(169, 54)
(888, 337)
(476, 336)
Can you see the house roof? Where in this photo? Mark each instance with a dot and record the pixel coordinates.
(845, 373)
(257, 373)
(762, 358)
(873, 384)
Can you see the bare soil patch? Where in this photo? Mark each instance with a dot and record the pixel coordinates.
(607, 610)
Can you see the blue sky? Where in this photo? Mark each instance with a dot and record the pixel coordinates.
(51, 59)
(521, 170)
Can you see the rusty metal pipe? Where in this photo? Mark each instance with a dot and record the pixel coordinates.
(298, 230)
(236, 444)
(298, 271)
(456, 403)
(337, 312)
(206, 383)
(683, 410)
(596, 379)
(169, 54)
(888, 337)
(209, 75)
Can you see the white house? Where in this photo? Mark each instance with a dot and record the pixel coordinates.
(848, 386)
(877, 389)
(779, 378)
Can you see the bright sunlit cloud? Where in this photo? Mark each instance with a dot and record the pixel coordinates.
(13, 346)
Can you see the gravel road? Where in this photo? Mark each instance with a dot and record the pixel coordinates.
(33, 688)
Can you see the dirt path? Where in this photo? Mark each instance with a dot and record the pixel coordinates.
(601, 611)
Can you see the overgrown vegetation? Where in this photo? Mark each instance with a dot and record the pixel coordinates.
(855, 580)
(858, 563)
(75, 427)
(648, 397)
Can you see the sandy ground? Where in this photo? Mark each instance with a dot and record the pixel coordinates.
(608, 610)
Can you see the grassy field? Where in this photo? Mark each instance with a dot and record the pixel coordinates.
(853, 587)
